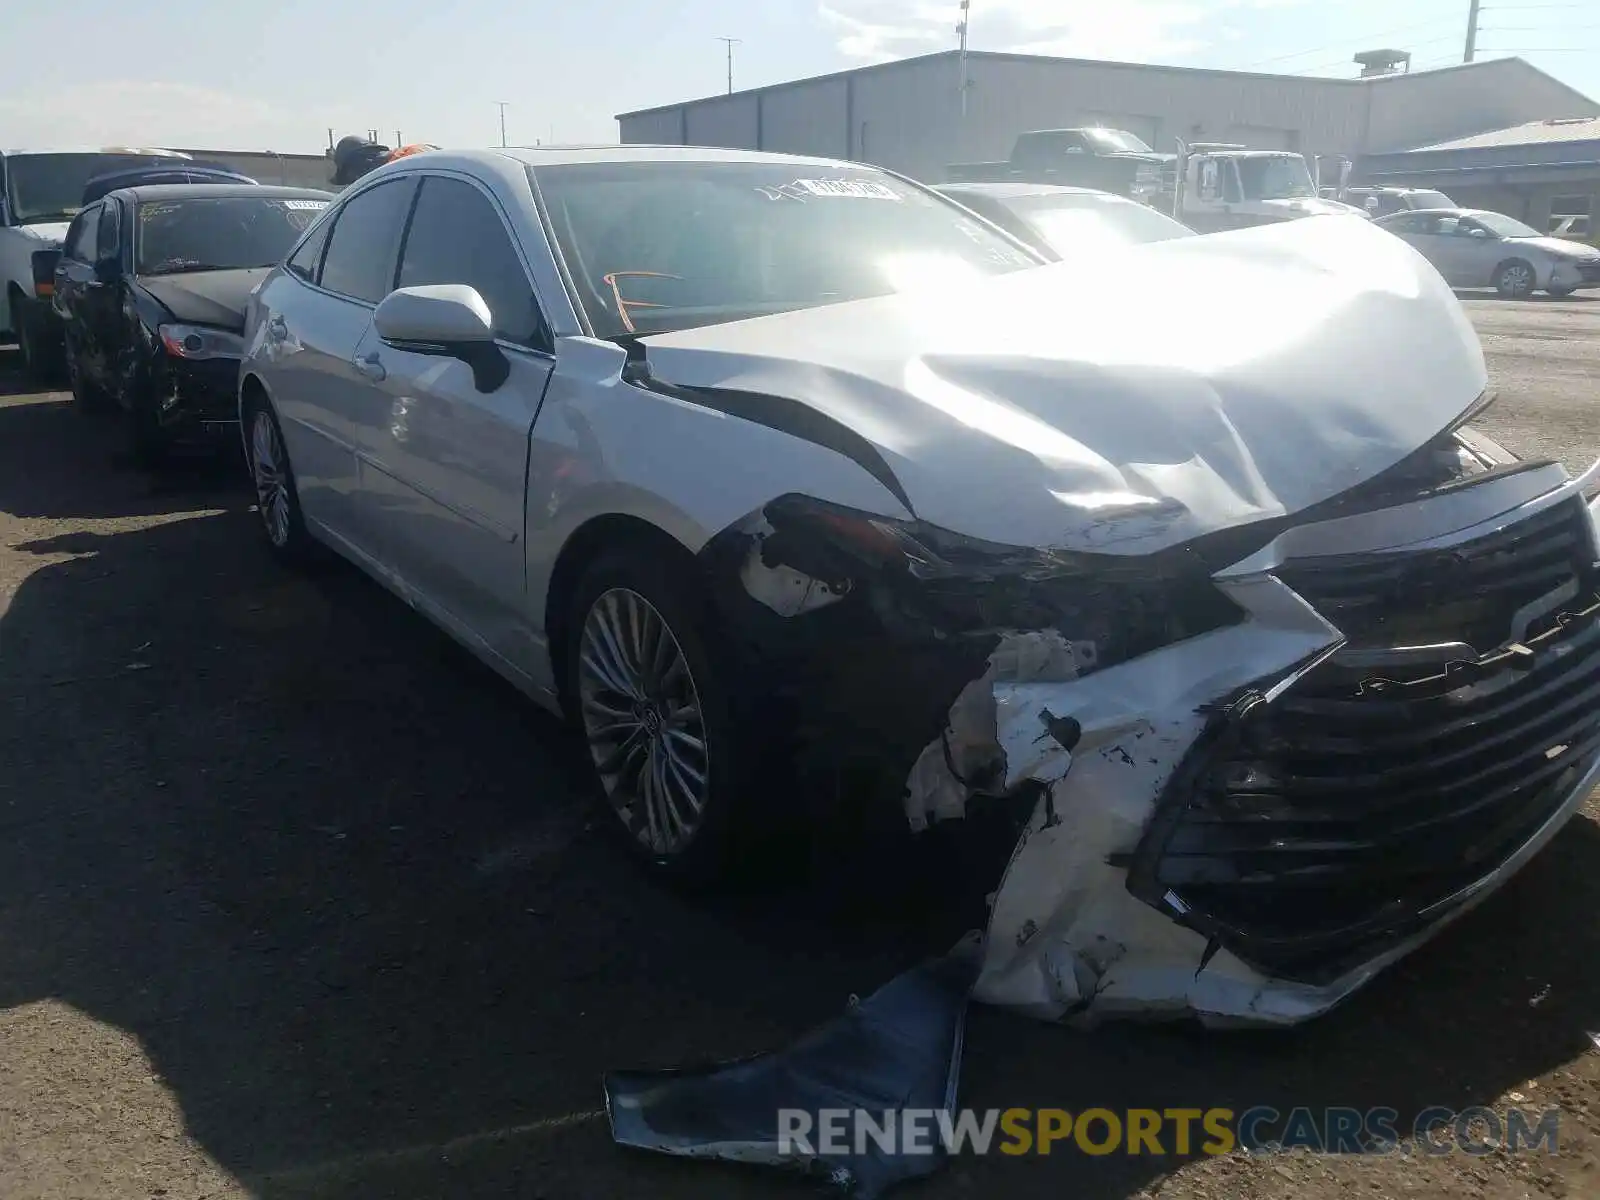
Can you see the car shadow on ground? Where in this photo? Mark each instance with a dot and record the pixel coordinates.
(346, 889)
(58, 464)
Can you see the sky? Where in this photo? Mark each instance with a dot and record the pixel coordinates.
(277, 76)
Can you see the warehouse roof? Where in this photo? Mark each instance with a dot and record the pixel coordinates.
(1554, 129)
(994, 56)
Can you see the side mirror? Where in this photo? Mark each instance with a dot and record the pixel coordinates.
(449, 320)
(108, 269)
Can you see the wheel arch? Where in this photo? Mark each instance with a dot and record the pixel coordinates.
(583, 546)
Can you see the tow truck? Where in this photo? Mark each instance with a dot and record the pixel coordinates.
(1216, 186)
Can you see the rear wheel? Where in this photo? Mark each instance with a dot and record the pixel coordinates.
(654, 709)
(277, 498)
(1514, 280)
(41, 359)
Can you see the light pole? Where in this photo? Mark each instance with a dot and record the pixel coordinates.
(961, 32)
(731, 42)
(502, 104)
(1472, 32)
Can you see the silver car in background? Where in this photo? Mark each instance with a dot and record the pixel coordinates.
(1473, 248)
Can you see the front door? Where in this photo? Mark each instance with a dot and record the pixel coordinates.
(450, 461)
(75, 281)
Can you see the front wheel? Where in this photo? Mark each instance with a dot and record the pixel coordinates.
(1514, 280)
(88, 397)
(653, 708)
(1560, 293)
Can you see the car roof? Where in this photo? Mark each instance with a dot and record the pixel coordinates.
(1014, 191)
(218, 191)
(552, 156)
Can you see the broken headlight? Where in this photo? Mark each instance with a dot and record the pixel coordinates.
(948, 583)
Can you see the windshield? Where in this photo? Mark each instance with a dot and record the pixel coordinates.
(49, 187)
(1117, 140)
(660, 246)
(1276, 177)
(222, 234)
(1431, 200)
(1503, 226)
(1071, 223)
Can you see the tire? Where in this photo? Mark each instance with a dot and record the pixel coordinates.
(1515, 279)
(41, 361)
(148, 442)
(692, 835)
(277, 496)
(88, 398)
(1560, 293)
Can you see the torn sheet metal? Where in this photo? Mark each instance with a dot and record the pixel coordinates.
(1067, 938)
(899, 1049)
(969, 757)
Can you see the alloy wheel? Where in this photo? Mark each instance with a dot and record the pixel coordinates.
(644, 722)
(1517, 280)
(269, 470)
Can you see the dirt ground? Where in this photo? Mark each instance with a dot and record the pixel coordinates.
(296, 901)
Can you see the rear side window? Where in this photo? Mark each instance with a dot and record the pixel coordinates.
(305, 261)
(366, 233)
(457, 236)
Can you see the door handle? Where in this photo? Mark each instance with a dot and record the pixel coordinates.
(371, 366)
(276, 329)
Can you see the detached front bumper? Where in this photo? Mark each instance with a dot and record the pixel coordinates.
(1257, 821)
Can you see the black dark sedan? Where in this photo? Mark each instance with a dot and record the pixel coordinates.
(151, 287)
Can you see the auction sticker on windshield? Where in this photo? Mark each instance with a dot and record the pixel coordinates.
(836, 189)
(305, 205)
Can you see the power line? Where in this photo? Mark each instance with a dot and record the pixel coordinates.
(1371, 37)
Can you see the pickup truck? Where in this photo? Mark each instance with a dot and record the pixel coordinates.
(1112, 160)
(40, 192)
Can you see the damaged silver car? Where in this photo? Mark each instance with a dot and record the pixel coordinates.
(770, 467)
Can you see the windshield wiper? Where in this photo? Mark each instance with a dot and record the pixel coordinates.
(182, 266)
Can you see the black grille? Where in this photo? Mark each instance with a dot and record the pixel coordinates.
(1307, 833)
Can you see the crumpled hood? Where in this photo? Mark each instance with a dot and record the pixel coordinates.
(47, 233)
(206, 297)
(1178, 388)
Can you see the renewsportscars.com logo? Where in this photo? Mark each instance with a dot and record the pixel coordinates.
(834, 1132)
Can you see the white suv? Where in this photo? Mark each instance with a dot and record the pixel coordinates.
(40, 192)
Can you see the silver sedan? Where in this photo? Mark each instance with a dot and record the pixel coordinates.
(1474, 248)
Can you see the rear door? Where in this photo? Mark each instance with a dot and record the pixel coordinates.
(450, 463)
(316, 317)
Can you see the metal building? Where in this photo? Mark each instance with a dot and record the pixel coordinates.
(909, 115)
(1546, 173)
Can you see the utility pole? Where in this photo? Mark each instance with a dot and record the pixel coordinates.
(1472, 32)
(502, 104)
(731, 43)
(961, 32)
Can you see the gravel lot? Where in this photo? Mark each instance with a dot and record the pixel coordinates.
(297, 901)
